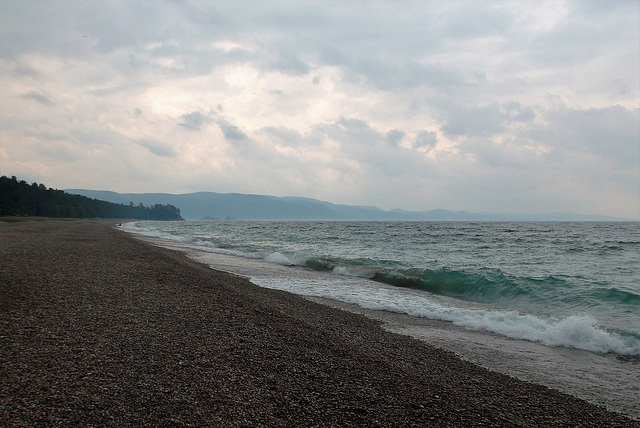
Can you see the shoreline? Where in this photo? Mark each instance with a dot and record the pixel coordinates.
(100, 328)
(607, 380)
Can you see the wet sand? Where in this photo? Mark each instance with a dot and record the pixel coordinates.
(100, 329)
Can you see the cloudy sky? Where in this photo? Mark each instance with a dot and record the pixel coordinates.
(516, 106)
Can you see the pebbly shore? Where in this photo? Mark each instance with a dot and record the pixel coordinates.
(98, 328)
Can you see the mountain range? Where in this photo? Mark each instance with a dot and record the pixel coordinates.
(210, 205)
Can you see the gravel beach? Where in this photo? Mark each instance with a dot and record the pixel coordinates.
(98, 328)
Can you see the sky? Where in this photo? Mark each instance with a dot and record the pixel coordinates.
(486, 106)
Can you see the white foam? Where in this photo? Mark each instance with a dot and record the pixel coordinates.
(279, 258)
(134, 227)
(353, 271)
(576, 331)
(580, 331)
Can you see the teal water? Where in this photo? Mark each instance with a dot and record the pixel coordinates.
(553, 303)
(570, 284)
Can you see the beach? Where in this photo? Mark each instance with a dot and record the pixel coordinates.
(101, 329)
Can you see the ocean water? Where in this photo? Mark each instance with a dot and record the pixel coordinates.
(556, 303)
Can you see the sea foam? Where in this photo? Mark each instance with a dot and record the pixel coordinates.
(279, 258)
(579, 331)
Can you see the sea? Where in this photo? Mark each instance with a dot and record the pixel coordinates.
(555, 303)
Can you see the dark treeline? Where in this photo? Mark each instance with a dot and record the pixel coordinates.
(21, 198)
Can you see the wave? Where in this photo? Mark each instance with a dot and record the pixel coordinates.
(617, 296)
(489, 285)
(579, 331)
(483, 285)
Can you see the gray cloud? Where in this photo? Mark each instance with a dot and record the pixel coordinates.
(98, 137)
(476, 22)
(288, 136)
(194, 121)
(580, 37)
(158, 148)
(47, 136)
(232, 133)
(395, 136)
(391, 76)
(610, 132)
(37, 97)
(426, 139)
(355, 134)
(513, 156)
(483, 121)
(513, 111)
(377, 160)
(289, 63)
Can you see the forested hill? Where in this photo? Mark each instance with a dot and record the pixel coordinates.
(21, 198)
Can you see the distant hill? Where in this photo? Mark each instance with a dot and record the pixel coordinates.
(210, 205)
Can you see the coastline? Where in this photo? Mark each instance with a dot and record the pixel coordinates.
(100, 328)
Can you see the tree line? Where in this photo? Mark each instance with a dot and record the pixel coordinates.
(24, 199)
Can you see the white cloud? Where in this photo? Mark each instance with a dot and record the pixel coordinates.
(485, 106)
